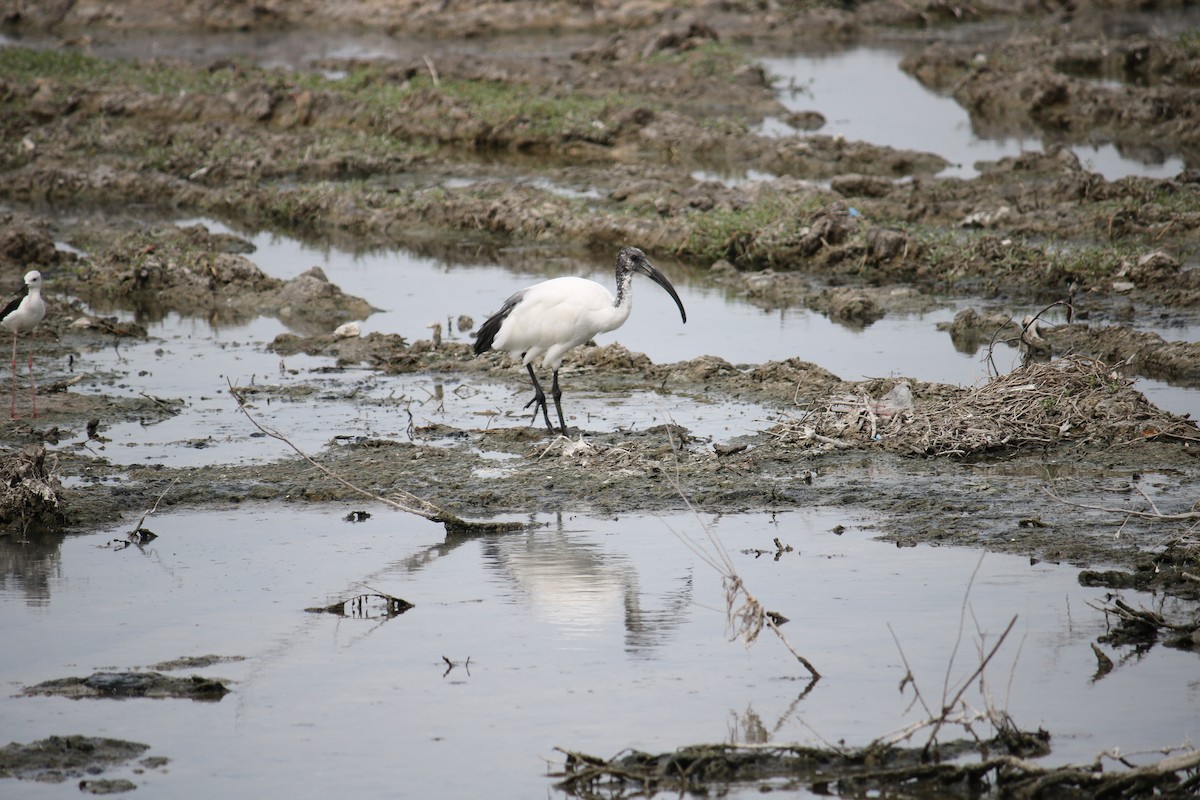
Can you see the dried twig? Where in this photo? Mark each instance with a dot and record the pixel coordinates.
(745, 614)
(403, 501)
(141, 522)
(1155, 514)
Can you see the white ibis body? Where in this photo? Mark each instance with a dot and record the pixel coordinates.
(549, 318)
(22, 314)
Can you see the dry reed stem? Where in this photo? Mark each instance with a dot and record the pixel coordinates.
(745, 615)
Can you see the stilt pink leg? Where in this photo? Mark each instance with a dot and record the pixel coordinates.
(32, 382)
(12, 409)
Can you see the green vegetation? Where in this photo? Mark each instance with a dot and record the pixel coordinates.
(1189, 40)
(75, 70)
(480, 112)
(710, 60)
(1033, 265)
(750, 236)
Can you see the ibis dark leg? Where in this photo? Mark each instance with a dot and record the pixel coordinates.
(556, 393)
(539, 398)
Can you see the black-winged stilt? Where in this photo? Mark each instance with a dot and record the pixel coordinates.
(23, 313)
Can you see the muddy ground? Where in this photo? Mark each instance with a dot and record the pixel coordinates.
(628, 98)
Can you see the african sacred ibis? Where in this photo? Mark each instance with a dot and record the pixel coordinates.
(551, 317)
(23, 312)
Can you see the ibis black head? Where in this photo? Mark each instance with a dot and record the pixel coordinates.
(631, 259)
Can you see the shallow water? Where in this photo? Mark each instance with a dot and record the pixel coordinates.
(187, 358)
(865, 97)
(588, 634)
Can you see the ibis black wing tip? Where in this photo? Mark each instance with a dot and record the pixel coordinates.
(485, 337)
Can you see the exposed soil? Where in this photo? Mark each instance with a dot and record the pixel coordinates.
(61, 758)
(627, 99)
(131, 684)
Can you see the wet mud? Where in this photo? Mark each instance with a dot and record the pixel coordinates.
(636, 95)
(124, 685)
(628, 101)
(61, 758)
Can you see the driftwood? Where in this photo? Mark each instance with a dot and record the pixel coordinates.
(28, 486)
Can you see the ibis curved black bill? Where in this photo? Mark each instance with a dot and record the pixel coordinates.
(650, 271)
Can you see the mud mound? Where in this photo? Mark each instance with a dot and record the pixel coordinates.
(57, 758)
(1073, 399)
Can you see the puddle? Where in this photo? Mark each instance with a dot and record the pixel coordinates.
(414, 292)
(591, 634)
(865, 96)
(189, 359)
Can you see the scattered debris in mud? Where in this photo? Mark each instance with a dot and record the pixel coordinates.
(61, 758)
(123, 685)
(1144, 627)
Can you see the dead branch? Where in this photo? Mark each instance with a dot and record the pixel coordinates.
(404, 501)
(947, 707)
(696, 768)
(1155, 514)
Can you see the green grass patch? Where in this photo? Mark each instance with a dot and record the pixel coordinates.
(750, 236)
(79, 70)
(709, 60)
(1050, 264)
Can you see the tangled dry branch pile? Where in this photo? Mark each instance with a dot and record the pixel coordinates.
(28, 487)
(854, 773)
(1071, 399)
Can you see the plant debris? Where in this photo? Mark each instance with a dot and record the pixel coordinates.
(366, 606)
(28, 488)
(1071, 399)
(872, 771)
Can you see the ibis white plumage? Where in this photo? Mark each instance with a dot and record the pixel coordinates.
(549, 318)
(22, 314)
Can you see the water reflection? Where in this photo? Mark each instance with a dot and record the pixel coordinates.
(572, 583)
(30, 563)
(580, 587)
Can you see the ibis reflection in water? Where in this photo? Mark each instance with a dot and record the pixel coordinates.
(550, 318)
